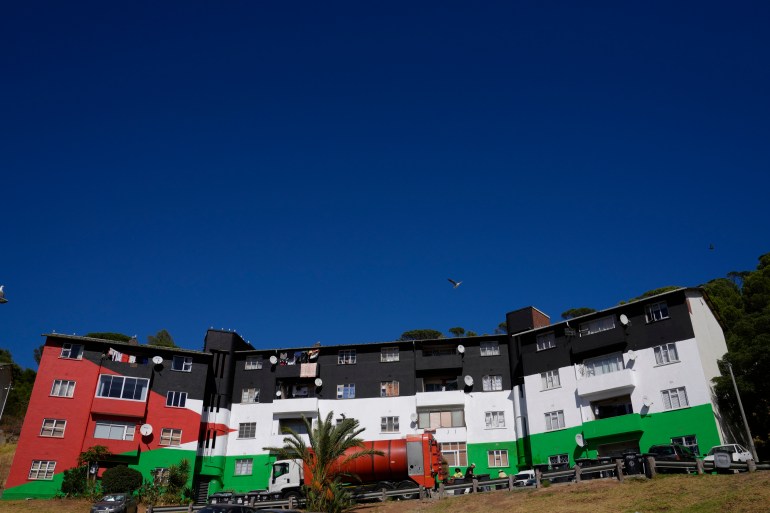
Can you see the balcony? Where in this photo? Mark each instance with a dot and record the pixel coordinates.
(608, 385)
(296, 405)
(119, 407)
(436, 361)
(613, 426)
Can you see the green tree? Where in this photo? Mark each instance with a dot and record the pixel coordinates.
(471, 334)
(424, 334)
(121, 479)
(22, 381)
(457, 331)
(162, 338)
(330, 442)
(502, 328)
(106, 335)
(650, 293)
(576, 312)
(37, 354)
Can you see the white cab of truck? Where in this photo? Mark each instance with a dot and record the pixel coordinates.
(286, 475)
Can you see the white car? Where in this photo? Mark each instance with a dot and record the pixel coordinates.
(738, 453)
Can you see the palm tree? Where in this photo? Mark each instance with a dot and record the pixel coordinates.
(332, 447)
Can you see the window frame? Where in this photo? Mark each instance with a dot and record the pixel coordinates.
(494, 419)
(654, 313)
(186, 366)
(666, 349)
(61, 383)
(389, 424)
(597, 325)
(244, 467)
(346, 391)
(48, 472)
(113, 377)
(558, 459)
(557, 415)
(67, 347)
(253, 363)
(247, 430)
(458, 451)
(129, 430)
(176, 396)
(441, 415)
(494, 454)
(53, 428)
(247, 397)
(346, 357)
(547, 381)
(545, 341)
(680, 392)
(591, 363)
(170, 436)
(387, 354)
(491, 382)
(492, 348)
(394, 388)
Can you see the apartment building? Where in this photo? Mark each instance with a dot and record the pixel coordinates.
(620, 379)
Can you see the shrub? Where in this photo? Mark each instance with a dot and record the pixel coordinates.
(121, 479)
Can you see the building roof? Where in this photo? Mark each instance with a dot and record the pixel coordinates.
(143, 347)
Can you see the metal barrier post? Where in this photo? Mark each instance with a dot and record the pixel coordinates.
(578, 471)
(752, 465)
(651, 466)
(475, 485)
(441, 491)
(699, 465)
(619, 469)
(510, 483)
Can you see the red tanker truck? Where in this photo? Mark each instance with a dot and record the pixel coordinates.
(405, 463)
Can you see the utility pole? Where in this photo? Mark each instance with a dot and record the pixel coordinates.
(743, 414)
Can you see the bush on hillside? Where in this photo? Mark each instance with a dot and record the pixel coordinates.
(121, 479)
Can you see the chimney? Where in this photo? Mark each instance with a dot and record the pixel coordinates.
(526, 319)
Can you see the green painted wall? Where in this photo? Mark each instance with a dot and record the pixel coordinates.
(258, 480)
(35, 489)
(477, 453)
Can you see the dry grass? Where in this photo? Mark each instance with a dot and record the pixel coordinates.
(6, 458)
(743, 493)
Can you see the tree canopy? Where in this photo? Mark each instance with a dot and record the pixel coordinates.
(576, 312)
(162, 338)
(107, 335)
(423, 334)
(457, 331)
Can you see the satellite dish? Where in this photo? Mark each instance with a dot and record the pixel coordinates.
(624, 320)
(461, 349)
(632, 355)
(157, 360)
(580, 440)
(145, 430)
(319, 382)
(273, 360)
(278, 393)
(413, 417)
(468, 380)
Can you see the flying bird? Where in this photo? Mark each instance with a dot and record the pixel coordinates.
(2, 294)
(455, 283)
(711, 246)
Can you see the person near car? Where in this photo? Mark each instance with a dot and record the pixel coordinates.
(501, 474)
(458, 474)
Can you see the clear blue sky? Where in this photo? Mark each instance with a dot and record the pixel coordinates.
(315, 171)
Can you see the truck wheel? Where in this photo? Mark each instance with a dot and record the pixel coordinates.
(405, 485)
(293, 494)
(381, 489)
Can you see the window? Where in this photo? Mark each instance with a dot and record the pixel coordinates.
(439, 384)
(113, 430)
(546, 341)
(603, 365)
(182, 364)
(389, 354)
(176, 399)
(346, 357)
(63, 388)
(498, 458)
(388, 388)
(455, 453)
(243, 467)
(121, 387)
(346, 391)
(432, 419)
(656, 312)
(250, 395)
(72, 351)
(490, 348)
(42, 470)
(674, 398)
(554, 420)
(558, 459)
(597, 325)
(689, 441)
(253, 363)
(389, 424)
(550, 379)
(169, 436)
(296, 424)
(494, 419)
(53, 427)
(160, 475)
(666, 354)
(247, 430)
(492, 383)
